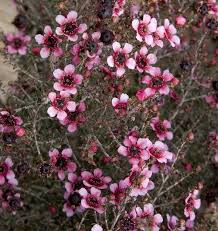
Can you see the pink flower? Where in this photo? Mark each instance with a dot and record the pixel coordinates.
(118, 8)
(148, 220)
(118, 191)
(97, 227)
(158, 35)
(69, 26)
(159, 151)
(73, 182)
(144, 60)
(139, 180)
(128, 222)
(171, 222)
(10, 123)
(93, 199)
(157, 82)
(59, 104)
(170, 33)
(161, 128)
(61, 162)
(180, 20)
(191, 203)
(17, 43)
(212, 100)
(6, 172)
(92, 44)
(95, 179)
(134, 149)
(73, 203)
(145, 28)
(92, 47)
(50, 43)
(67, 79)
(120, 104)
(120, 58)
(11, 201)
(75, 118)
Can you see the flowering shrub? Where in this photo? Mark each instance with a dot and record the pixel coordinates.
(118, 103)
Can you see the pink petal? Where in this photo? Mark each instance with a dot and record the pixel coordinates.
(95, 192)
(2, 180)
(47, 30)
(45, 52)
(58, 52)
(61, 174)
(71, 106)
(164, 90)
(146, 18)
(67, 152)
(39, 39)
(52, 96)
(73, 38)
(52, 111)
(72, 15)
(158, 218)
(152, 27)
(96, 35)
(82, 28)
(97, 227)
(122, 150)
(58, 73)
(143, 50)
(148, 39)
(9, 162)
(83, 192)
(152, 58)
(72, 127)
(98, 172)
(131, 63)
(59, 31)
(127, 48)
(110, 61)
(115, 101)
(116, 46)
(60, 19)
(10, 174)
(69, 69)
(135, 24)
(61, 115)
(120, 71)
(124, 98)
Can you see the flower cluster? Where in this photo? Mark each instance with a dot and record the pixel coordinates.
(10, 126)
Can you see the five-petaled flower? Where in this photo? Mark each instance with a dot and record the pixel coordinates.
(60, 161)
(67, 79)
(145, 28)
(59, 104)
(120, 58)
(161, 128)
(95, 179)
(69, 26)
(120, 104)
(6, 173)
(159, 151)
(50, 42)
(144, 60)
(118, 192)
(135, 149)
(17, 43)
(155, 82)
(191, 203)
(93, 200)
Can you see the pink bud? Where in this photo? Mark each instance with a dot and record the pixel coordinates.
(180, 21)
(20, 132)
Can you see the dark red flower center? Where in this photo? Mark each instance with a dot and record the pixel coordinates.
(70, 28)
(14, 203)
(120, 58)
(7, 120)
(134, 151)
(75, 199)
(160, 127)
(96, 181)
(92, 46)
(3, 169)
(142, 29)
(59, 103)
(51, 41)
(68, 81)
(17, 43)
(157, 153)
(157, 82)
(127, 224)
(61, 162)
(141, 61)
(92, 201)
(121, 106)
